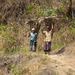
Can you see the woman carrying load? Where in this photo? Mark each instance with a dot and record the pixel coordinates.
(47, 41)
(33, 40)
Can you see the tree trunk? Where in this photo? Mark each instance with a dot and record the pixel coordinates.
(70, 11)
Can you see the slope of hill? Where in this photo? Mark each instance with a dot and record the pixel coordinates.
(29, 63)
(15, 58)
(19, 10)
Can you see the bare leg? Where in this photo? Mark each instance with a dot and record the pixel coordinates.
(49, 52)
(45, 51)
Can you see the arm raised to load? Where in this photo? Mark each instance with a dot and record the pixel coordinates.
(42, 31)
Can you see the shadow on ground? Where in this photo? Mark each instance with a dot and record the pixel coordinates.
(62, 50)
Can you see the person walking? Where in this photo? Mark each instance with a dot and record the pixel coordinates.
(47, 41)
(33, 40)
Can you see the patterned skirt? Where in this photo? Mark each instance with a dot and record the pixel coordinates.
(47, 46)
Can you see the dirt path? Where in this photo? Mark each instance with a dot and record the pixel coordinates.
(61, 61)
(63, 65)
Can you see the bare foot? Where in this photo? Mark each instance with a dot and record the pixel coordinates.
(48, 53)
(45, 53)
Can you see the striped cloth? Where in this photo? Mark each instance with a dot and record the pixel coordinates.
(47, 46)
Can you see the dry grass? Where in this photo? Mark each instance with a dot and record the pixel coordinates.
(14, 37)
(1, 42)
(60, 38)
(70, 72)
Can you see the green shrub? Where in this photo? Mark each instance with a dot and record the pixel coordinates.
(66, 17)
(10, 40)
(30, 7)
(47, 11)
(29, 11)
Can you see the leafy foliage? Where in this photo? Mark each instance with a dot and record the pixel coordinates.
(30, 7)
(9, 34)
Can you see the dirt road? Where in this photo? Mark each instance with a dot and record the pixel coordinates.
(63, 65)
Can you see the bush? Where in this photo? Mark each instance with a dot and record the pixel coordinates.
(10, 41)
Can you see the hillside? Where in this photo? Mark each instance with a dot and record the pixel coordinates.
(20, 10)
(60, 62)
(17, 17)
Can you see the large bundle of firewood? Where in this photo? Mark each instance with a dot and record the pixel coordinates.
(41, 22)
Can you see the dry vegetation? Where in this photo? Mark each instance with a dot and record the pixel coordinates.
(14, 41)
(17, 16)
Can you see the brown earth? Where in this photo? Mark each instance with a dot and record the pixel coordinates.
(61, 61)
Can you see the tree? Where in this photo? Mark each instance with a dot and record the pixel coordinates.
(70, 11)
